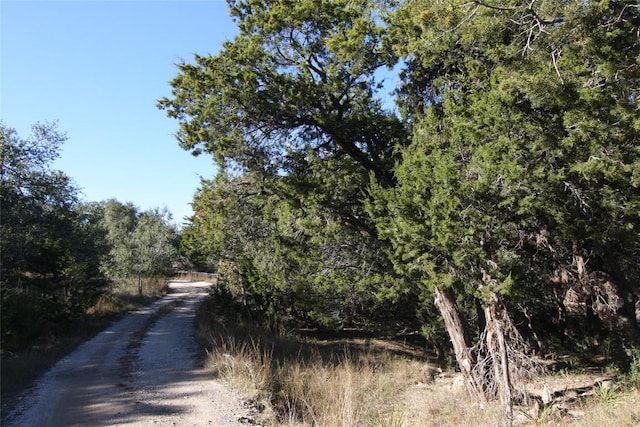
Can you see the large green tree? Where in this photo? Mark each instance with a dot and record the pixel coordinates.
(290, 259)
(294, 105)
(508, 176)
(33, 194)
(140, 244)
(48, 258)
(523, 163)
(154, 243)
(299, 76)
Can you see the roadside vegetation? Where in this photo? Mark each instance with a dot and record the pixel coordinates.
(23, 364)
(466, 171)
(460, 179)
(68, 267)
(308, 378)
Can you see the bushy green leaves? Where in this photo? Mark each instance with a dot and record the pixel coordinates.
(286, 249)
(137, 243)
(291, 109)
(523, 122)
(37, 204)
(58, 254)
(517, 143)
(48, 269)
(299, 76)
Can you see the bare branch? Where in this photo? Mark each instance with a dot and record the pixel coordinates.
(554, 55)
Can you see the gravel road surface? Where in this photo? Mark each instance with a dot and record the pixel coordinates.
(142, 371)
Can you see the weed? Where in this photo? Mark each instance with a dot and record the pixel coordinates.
(612, 369)
(392, 419)
(606, 392)
(307, 381)
(571, 364)
(312, 382)
(540, 415)
(633, 375)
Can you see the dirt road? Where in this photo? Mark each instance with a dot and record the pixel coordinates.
(141, 371)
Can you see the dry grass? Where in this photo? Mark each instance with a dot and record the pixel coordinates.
(351, 389)
(444, 402)
(196, 276)
(306, 381)
(125, 297)
(356, 390)
(623, 411)
(298, 381)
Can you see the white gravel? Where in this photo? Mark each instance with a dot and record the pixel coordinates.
(116, 380)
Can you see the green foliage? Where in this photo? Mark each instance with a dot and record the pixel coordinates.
(292, 259)
(292, 111)
(606, 392)
(524, 143)
(300, 76)
(33, 198)
(140, 243)
(58, 254)
(117, 222)
(513, 156)
(49, 257)
(154, 243)
(633, 376)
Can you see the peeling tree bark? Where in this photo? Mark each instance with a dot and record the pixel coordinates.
(459, 339)
(495, 340)
(502, 363)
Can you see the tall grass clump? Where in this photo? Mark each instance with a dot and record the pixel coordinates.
(245, 364)
(302, 381)
(124, 296)
(352, 390)
(196, 276)
(313, 380)
(152, 287)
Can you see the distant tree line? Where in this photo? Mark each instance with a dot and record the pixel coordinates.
(498, 201)
(59, 254)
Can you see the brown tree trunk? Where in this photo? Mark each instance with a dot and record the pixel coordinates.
(445, 302)
(496, 316)
(507, 399)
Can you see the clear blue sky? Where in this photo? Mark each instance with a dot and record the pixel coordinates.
(98, 67)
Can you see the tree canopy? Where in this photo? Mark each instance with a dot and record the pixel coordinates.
(48, 256)
(59, 254)
(504, 188)
(524, 155)
(300, 77)
(292, 110)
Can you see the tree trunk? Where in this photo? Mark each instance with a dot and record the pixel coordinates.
(496, 315)
(482, 321)
(541, 345)
(507, 399)
(445, 302)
